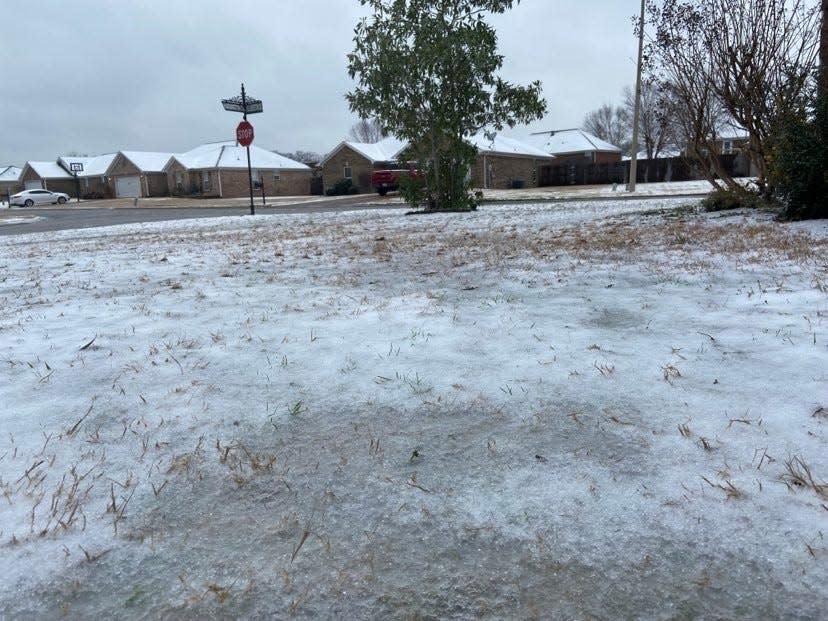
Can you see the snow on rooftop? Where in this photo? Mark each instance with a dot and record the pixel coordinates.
(642, 155)
(389, 149)
(504, 145)
(96, 166)
(564, 141)
(386, 150)
(49, 170)
(228, 155)
(148, 161)
(10, 173)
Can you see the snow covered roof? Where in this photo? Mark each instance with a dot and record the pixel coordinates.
(563, 141)
(733, 134)
(96, 166)
(666, 153)
(228, 155)
(10, 173)
(389, 149)
(148, 161)
(386, 150)
(48, 170)
(503, 145)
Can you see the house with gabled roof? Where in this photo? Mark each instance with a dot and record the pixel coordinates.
(93, 179)
(219, 169)
(138, 174)
(575, 146)
(38, 175)
(502, 162)
(357, 160)
(9, 180)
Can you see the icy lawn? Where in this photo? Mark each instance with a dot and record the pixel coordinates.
(582, 410)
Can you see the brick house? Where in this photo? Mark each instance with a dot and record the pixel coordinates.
(502, 162)
(357, 160)
(735, 142)
(10, 180)
(93, 180)
(47, 176)
(220, 170)
(139, 174)
(575, 147)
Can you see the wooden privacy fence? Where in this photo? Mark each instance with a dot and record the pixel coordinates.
(661, 169)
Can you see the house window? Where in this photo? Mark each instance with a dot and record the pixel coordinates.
(206, 181)
(347, 173)
(277, 175)
(727, 147)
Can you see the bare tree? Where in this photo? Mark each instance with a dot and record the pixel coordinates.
(610, 123)
(305, 157)
(748, 59)
(367, 130)
(766, 55)
(656, 128)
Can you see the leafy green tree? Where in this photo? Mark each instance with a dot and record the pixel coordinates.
(427, 70)
(799, 161)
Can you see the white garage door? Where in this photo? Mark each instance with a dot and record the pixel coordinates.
(33, 185)
(127, 187)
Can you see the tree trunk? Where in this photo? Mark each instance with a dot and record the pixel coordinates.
(823, 53)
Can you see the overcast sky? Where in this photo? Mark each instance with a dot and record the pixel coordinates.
(100, 76)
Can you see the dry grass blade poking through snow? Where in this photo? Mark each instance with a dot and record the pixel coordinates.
(798, 475)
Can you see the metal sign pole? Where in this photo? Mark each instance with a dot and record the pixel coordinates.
(76, 167)
(250, 181)
(249, 169)
(246, 106)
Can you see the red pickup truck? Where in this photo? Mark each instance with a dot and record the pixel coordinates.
(385, 181)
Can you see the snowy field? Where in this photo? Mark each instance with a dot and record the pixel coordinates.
(584, 410)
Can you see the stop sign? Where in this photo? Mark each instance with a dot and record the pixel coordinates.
(244, 134)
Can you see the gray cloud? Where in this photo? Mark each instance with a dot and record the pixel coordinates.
(99, 76)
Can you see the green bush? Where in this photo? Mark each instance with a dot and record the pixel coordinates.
(413, 190)
(342, 187)
(798, 166)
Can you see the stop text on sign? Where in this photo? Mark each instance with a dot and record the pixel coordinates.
(244, 133)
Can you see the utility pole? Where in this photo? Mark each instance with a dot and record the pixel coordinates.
(637, 107)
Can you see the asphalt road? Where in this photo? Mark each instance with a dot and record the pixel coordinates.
(57, 219)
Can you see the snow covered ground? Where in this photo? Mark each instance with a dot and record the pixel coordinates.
(610, 409)
(583, 192)
(618, 190)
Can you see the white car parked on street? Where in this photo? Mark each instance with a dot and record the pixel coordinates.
(27, 198)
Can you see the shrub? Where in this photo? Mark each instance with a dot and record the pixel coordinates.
(798, 167)
(413, 189)
(722, 200)
(342, 187)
